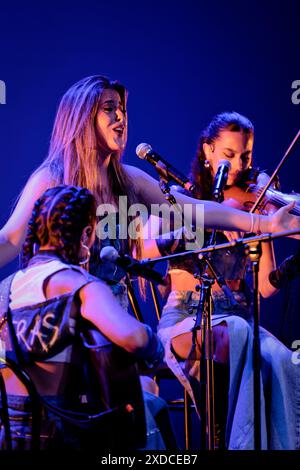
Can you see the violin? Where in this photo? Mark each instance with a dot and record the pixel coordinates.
(246, 196)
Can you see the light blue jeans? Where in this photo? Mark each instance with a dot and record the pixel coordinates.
(280, 376)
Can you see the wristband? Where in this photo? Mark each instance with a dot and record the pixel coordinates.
(153, 352)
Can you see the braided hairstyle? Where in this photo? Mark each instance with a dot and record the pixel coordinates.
(58, 218)
(201, 174)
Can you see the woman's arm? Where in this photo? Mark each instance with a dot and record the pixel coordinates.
(100, 307)
(287, 271)
(266, 266)
(12, 235)
(215, 215)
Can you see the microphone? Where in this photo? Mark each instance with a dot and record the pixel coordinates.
(221, 179)
(130, 265)
(146, 152)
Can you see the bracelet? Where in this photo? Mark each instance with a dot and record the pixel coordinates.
(257, 229)
(253, 228)
(252, 223)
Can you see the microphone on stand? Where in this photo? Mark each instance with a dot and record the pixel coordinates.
(130, 265)
(146, 152)
(221, 179)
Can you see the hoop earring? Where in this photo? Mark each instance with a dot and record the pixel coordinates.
(88, 254)
(35, 248)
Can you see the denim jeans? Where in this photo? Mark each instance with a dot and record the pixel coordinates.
(153, 405)
(280, 377)
(57, 435)
(52, 434)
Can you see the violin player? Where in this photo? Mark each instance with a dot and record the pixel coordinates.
(229, 136)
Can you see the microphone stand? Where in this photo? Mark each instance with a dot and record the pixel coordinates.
(253, 250)
(265, 237)
(254, 254)
(203, 317)
(204, 323)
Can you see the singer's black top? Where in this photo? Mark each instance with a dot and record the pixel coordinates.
(231, 263)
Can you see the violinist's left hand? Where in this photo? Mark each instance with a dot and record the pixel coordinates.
(282, 220)
(232, 235)
(262, 179)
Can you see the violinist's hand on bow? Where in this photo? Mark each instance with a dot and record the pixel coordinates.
(282, 220)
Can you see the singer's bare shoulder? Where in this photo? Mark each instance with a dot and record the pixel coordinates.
(13, 233)
(44, 174)
(141, 181)
(134, 172)
(148, 188)
(36, 185)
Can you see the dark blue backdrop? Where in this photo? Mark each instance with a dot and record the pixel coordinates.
(182, 63)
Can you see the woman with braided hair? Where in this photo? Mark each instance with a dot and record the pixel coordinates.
(53, 220)
(51, 299)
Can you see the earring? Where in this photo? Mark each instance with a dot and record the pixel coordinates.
(206, 164)
(35, 248)
(88, 254)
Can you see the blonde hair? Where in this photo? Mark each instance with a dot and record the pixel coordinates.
(73, 157)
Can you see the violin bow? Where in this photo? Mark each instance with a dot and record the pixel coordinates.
(275, 172)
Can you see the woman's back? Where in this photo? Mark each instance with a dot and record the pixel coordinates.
(38, 293)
